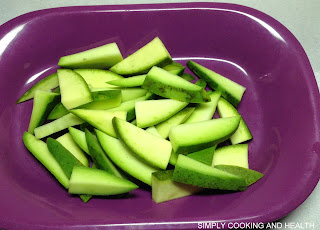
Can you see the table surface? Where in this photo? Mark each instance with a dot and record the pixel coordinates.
(302, 18)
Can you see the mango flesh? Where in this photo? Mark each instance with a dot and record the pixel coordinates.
(188, 138)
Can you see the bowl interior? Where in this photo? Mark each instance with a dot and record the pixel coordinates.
(280, 107)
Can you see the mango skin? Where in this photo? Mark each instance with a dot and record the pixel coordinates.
(195, 173)
(230, 90)
(168, 85)
(250, 176)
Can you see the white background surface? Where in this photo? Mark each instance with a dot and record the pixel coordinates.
(301, 17)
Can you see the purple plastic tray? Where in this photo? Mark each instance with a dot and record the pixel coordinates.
(280, 106)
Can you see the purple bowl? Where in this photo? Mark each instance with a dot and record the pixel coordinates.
(280, 106)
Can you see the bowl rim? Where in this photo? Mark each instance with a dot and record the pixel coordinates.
(276, 215)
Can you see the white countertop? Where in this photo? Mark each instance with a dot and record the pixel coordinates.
(302, 18)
